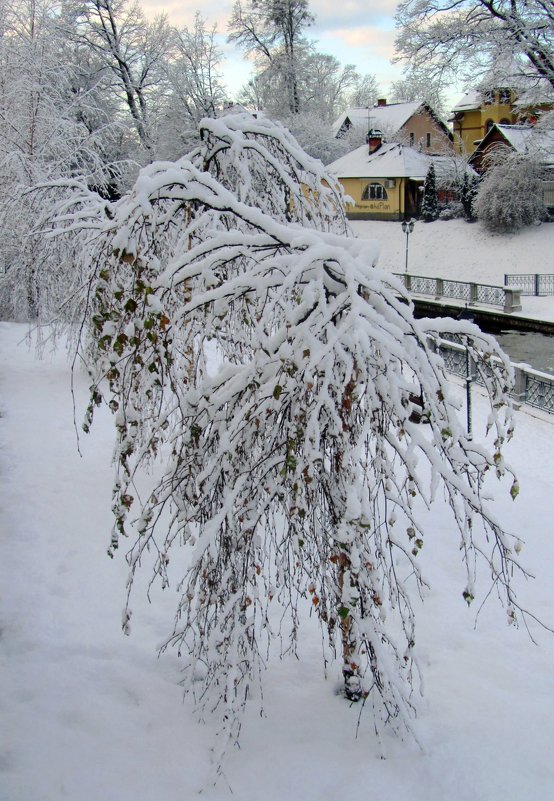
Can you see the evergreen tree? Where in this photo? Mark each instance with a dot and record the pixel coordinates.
(430, 204)
(468, 194)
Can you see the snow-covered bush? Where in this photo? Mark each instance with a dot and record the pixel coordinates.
(452, 211)
(298, 411)
(509, 195)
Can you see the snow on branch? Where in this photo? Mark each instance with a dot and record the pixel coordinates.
(300, 418)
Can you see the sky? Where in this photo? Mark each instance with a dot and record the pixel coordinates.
(355, 31)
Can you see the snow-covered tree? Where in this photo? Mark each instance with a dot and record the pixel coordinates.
(430, 202)
(465, 37)
(195, 88)
(421, 85)
(273, 32)
(300, 415)
(130, 50)
(364, 93)
(315, 136)
(509, 196)
(468, 193)
(46, 133)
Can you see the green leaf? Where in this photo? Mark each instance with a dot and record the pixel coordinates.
(343, 612)
(277, 392)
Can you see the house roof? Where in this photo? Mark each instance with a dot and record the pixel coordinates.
(525, 139)
(389, 118)
(528, 93)
(395, 160)
(471, 100)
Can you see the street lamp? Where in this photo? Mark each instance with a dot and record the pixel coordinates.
(407, 227)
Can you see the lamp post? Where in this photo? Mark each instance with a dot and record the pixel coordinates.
(467, 315)
(407, 227)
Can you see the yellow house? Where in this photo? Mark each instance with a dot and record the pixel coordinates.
(385, 181)
(476, 113)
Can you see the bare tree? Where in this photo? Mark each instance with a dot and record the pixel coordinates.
(467, 36)
(272, 31)
(365, 92)
(129, 48)
(419, 85)
(42, 138)
(195, 88)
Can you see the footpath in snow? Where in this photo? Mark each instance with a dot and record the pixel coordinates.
(466, 252)
(89, 714)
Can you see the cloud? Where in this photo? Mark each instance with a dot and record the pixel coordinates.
(329, 14)
(351, 13)
(355, 31)
(181, 12)
(372, 41)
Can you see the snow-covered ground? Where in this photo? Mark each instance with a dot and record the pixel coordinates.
(466, 252)
(89, 714)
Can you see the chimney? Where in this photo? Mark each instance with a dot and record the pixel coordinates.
(374, 140)
(382, 101)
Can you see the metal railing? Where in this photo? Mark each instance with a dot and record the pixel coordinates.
(531, 283)
(470, 293)
(531, 386)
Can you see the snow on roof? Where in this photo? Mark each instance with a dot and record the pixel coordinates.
(527, 139)
(470, 100)
(517, 136)
(389, 118)
(528, 92)
(391, 160)
(395, 160)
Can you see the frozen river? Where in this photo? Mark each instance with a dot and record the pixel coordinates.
(532, 348)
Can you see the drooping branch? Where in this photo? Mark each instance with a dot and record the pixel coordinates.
(299, 414)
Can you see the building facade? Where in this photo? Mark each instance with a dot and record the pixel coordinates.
(385, 181)
(476, 113)
(413, 124)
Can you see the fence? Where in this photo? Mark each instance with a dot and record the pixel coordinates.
(531, 283)
(507, 298)
(531, 386)
(548, 194)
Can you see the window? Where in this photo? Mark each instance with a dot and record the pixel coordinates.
(374, 192)
(412, 138)
(428, 140)
(504, 97)
(488, 98)
(488, 125)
